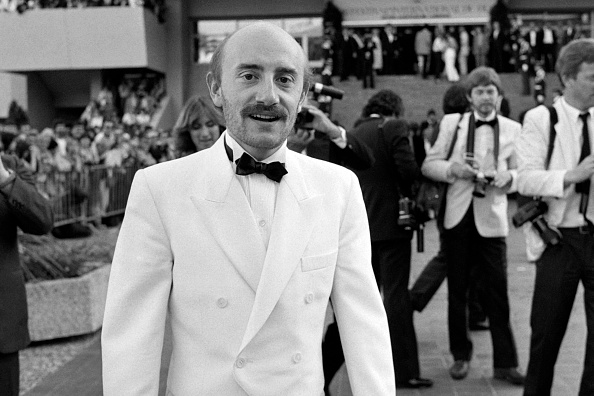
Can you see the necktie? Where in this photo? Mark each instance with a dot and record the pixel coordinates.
(584, 187)
(246, 165)
(480, 123)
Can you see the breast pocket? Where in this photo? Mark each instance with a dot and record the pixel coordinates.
(312, 263)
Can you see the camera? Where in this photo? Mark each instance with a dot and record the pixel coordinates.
(481, 181)
(303, 117)
(323, 94)
(406, 214)
(533, 211)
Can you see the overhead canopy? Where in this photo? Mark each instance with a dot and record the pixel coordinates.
(551, 6)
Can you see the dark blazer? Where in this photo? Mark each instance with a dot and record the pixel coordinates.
(23, 207)
(394, 170)
(356, 155)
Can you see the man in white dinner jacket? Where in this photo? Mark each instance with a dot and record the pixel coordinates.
(475, 219)
(566, 186)
(245, 255)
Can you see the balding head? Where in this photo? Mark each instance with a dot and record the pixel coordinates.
(257, 31)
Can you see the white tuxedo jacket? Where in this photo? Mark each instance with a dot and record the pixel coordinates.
(490, 212)
(245, 321)
(534, 180)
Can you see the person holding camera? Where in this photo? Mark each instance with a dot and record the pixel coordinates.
(21, 206)
(384, 185)
(480, 172)
(565, 186)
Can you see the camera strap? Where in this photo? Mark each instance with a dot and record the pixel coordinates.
(470, 139)
(553, 118)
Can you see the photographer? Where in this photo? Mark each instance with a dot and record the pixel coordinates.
(565, 185)
(480, 172)
(21, 206)
(383, 185)
(317, 136)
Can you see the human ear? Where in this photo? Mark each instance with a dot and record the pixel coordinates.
(214, 89)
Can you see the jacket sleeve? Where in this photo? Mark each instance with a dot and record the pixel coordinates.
(356, 155)
(531, 149)
(137, 296)
(31, 211)
(358, 307)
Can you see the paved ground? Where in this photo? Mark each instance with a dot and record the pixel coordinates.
(82, 375)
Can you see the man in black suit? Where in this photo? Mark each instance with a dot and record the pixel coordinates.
(390, 178)
(23, 207)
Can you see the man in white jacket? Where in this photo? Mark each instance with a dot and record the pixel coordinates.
(565, 185)
(244, 244)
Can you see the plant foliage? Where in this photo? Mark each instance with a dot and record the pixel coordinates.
(46, 257)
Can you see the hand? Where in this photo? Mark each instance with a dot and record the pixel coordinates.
(502, 179)
(322, 123)
(299, 140)
(462, 171)
(583, 171)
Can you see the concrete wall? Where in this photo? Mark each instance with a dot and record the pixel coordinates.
(12, 87)
(89, 38)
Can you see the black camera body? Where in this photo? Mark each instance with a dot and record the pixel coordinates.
(406, 214)
(534, 211)
(411, 219)
(481, 181)
(303, 117)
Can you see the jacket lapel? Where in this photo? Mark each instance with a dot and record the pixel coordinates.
(224, 210)
(295, 215)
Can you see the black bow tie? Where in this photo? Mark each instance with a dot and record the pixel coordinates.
(246, 165)
(480, 123)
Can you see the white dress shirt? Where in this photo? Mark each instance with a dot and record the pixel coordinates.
(259, 190)
(484, 144)
(572, 216)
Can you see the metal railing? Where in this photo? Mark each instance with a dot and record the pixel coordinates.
(95, 192)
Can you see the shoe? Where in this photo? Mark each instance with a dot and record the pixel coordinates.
(415, 383)
(511, 375)
(479, 326)
(459, 369)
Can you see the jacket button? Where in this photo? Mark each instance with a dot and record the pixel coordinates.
(297, 358)
(240, 363)
(309, 297)
(222, 303)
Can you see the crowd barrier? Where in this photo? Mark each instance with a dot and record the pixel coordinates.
(97, 191)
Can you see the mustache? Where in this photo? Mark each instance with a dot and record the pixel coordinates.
(271, 110)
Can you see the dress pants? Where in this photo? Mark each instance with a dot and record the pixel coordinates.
(464, 247)
(9, 374)
(558, 273)
(391, 265)
(433, 275)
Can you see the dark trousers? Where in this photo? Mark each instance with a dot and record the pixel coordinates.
(391, 265)
(463, 246)
(9, 374)
(436, 64)
(558, 273)
(433, 275)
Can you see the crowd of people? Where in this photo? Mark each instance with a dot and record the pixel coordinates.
(158, 7)
(280, 237)
(449, 52)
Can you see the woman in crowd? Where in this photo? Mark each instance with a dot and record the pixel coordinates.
(198, 126)
(449, 58)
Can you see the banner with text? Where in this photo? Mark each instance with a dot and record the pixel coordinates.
(357, 10)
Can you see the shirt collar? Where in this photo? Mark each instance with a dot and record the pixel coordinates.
(489, 118)
(279, 155)
(572, 112)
